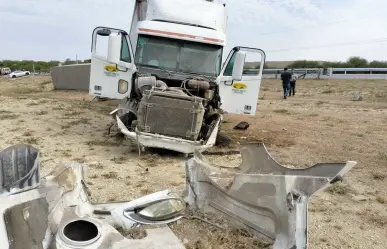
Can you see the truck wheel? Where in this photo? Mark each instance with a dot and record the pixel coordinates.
(13, 76)
(222, 140)
(27, 73)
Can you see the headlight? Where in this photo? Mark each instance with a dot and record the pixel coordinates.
(122, 86)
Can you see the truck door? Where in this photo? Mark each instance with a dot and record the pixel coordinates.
(107, 79)
(241, 97)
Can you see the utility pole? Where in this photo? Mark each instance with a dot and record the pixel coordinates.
(76, 58)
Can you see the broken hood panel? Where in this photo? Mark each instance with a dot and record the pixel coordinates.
(261, 194)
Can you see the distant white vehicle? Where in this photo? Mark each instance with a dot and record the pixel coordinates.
(18, 74)
(5, 71)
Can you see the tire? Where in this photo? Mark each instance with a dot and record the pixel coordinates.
(13, 76)
(27, 73)
(222, 140)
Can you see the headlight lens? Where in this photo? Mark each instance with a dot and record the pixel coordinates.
(122, 86)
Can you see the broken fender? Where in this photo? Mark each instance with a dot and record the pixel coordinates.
(261, 194)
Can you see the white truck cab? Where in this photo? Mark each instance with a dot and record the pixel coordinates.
(169, 62)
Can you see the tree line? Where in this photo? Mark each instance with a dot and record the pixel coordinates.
(45, 66)
(352, 62)
(39, 66)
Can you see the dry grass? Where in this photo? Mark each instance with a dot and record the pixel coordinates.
(319, 124)
(284, 111)
(8, 116)
(31, 140)
(28, 133)
(41, 113)
(379, 175)
(110, 175)
(381, 199)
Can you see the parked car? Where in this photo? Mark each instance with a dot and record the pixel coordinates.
(5, 71)
(18, 74)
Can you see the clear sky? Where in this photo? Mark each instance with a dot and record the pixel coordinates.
(60, 29)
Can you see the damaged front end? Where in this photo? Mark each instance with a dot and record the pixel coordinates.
(261, 195)
(159, 140)
(181, 115)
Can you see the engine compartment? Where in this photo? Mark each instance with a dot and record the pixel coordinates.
(184, 109)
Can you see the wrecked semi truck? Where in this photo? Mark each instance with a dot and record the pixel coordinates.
(169, 74)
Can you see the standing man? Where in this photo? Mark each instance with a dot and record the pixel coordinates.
(286, 76)
(293, 83)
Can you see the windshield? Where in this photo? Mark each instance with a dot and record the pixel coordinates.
(179, 55)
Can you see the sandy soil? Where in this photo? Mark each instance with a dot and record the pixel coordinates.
(319, 124)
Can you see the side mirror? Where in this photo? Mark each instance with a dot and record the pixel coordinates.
(114, 50)
(239, 63)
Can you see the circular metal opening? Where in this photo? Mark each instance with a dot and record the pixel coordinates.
(80, 231)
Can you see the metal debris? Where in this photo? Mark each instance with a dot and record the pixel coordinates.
(261, 194)
(56, 212)
(242, 126)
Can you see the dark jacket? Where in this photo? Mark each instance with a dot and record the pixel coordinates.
(286, 77)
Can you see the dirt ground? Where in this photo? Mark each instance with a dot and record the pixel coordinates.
(319, 124)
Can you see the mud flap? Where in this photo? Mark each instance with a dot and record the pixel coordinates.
(261, 194)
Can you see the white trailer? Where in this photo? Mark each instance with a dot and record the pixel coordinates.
(168, 71)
